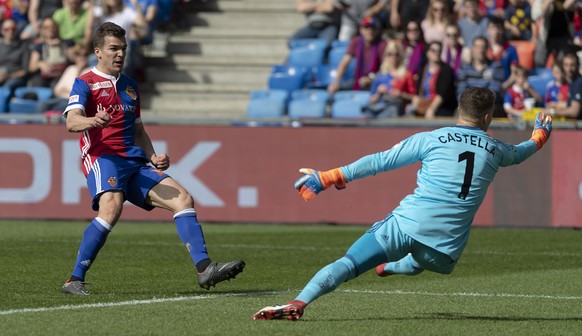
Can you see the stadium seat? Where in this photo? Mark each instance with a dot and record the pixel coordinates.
(348, 104)
(26, 98)
(321, 76)
(308, 104)
(541, 71)
(340, 43)
(539, 84)
(305, 57)
(41, 93)
(335, 55)
(311, 43)
(286, 77)
(525, 52)
(4, 95)
(267, 103)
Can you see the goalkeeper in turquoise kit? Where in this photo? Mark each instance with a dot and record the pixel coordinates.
(430, 228)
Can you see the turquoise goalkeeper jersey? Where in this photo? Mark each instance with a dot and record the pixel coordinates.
(457, 165)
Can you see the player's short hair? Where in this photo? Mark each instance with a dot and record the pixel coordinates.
(476, 102)
(107, 29)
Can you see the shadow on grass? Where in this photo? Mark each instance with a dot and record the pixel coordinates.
(457, 317)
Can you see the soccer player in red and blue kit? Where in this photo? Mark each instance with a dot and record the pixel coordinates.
(120, 163)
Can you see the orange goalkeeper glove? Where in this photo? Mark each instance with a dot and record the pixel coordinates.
(542, 130)
(314, 181)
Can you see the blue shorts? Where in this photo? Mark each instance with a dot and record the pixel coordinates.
(131, 176)
(393, 245)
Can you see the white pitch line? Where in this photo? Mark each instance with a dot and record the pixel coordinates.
(464, 294)
(215, 296)
(133, 302)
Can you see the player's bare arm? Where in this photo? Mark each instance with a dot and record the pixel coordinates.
(142, 139)
(77, 121)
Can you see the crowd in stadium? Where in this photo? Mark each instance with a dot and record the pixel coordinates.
(46, 44)
(416, 57)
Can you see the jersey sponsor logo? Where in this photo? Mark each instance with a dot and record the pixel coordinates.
(104, 94)
(112, 181)
(122, 107)
(131, 92)
(472, 140)
(74, 99)
(100, 85)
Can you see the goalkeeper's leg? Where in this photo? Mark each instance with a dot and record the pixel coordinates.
(362, 256)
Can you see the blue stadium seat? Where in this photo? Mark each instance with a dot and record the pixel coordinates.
(308, 104)
(305, 57)
(348, 104)
(42, 93)
(267, 103)
(286, 77)
(321, 76)
(4, 94)
(539, 84)
(311, 43)
(335, 55)
(340, 43)
(542, 72)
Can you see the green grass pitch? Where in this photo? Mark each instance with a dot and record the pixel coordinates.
(508, 282)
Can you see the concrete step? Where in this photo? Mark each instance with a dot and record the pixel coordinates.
(234, 47)
(166, 88)
(246, 5)
(210, 75)
(273, 33)
(236, 20)
(199, 102)
(199, 61)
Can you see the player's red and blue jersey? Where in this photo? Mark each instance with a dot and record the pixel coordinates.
(120, 98)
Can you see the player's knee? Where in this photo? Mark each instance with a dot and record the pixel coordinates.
(351, 266)
(111, 206)
(184, 201)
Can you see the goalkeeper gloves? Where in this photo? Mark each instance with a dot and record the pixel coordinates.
(314, 181)
(542, 130)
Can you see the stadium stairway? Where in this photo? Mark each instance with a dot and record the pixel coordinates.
(207, 69)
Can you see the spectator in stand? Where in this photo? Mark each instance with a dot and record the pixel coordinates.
(39, 9)
(487, 8)
(472, 24)
(63, 87)
(404, 11)
(515, 102)
(14, 57)
(322, 20)
(75, 22)
(482, 72)
(437, 19)
(453, 48)
(434, 86)
(555, 36)
(20, 15)
(557, 89)
(501, 51)
(572, 110)
(518, 20)
(50, 55)
(413, 44)
(368, 50)
(149, 9)
(353, 11)
(385, 99)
